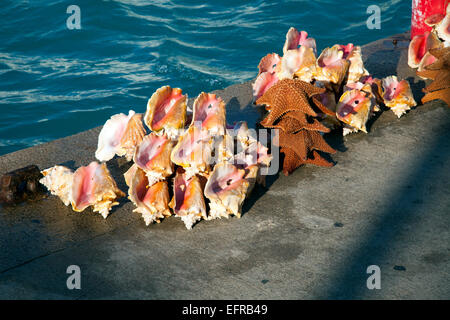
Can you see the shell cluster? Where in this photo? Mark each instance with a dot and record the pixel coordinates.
(184, 167)
(351, 95)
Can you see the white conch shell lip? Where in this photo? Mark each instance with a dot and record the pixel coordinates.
(58, 180)
(120, 135)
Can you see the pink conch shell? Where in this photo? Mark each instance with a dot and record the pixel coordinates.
(251, 154)
(153, 156)
(353, 109)
(58, 180)
(209, 112)
(252, 159)
(193, 151)
(294, 39)
(300, 63)
(120, 135)
(356, 69)
(346, 50)
(397, 95)
(331, 66)
(94, 185)
(262, 83)
(419, 46)
(166, 110)
(151, 200)
(188, 202)
(269, 63)
(427, 59)
(226, 189)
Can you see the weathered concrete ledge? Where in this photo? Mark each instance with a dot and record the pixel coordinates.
(310, 235)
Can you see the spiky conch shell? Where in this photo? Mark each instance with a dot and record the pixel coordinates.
(333, 71)
(299, 63)
(188, 202)
(152, 155)
(92, 185)
(193, 151)
(58, 180)
(354, 109)
(152, 201)
(119, 136)
(295, 38)
(356, 69)
(251, 154)
(103, 190)
(210, 113)
(401, 99)
(173, 105)
(226, 189)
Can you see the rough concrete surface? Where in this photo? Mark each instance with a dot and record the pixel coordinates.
(311, 235)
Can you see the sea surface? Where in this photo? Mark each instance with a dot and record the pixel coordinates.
(55, 81)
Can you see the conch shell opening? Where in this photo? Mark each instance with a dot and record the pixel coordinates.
(331, 65)
(188, 202)
(397, 95)
(92, 185)
(209, 112)
(166, 110)
(226, 189)
(193, 151)
(353, 109)
(152, 201)
(153, 156)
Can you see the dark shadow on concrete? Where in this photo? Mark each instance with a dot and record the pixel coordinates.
(417, 88)
(401, 211)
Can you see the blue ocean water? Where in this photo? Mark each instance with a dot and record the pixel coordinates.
(56, 82)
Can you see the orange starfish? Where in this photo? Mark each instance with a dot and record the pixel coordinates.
(292, 108)
(295, 121)
(439, 72)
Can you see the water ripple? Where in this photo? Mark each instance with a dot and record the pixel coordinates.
(55, 82)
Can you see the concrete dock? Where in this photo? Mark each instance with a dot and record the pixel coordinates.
(310, 235)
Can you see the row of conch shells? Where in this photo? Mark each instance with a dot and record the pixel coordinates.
(198, 160)
(439, 37)
(91, 185)
(352, 95)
